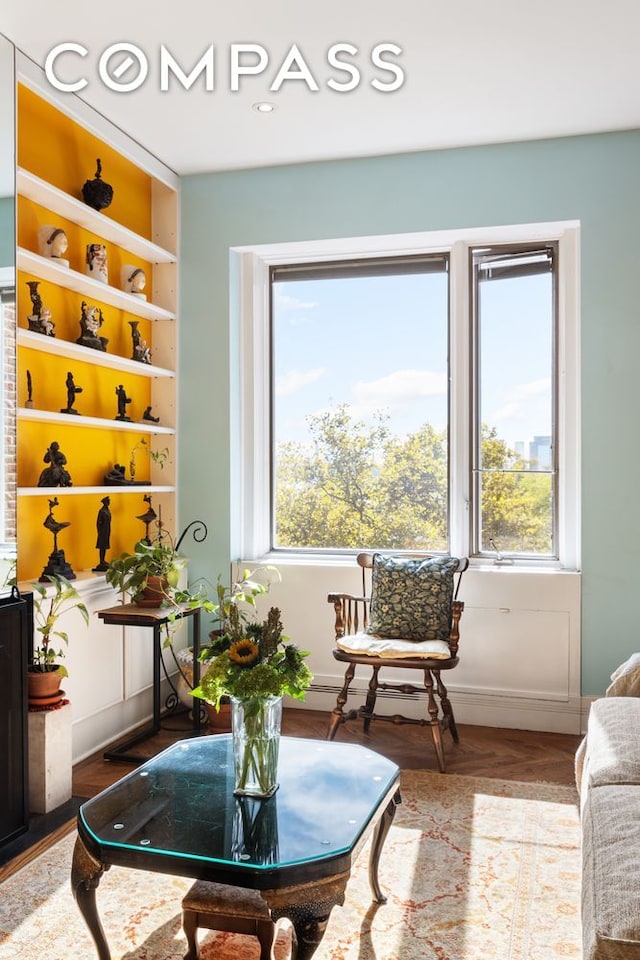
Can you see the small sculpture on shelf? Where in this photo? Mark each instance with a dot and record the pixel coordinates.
(53, 243)
(147, 518)
(96, 262)
(141, 351)
(96, 193)
(103, 528)
(91, 320)
(55, 474)
(29, 400)
(133, 280)
(57, 565)
(123, 401)
(72, 390)
(116, 476)
(40, 320)
(147, 415)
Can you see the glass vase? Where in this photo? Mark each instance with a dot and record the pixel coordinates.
(255, 730)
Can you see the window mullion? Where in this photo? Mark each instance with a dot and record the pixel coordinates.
(459, 401)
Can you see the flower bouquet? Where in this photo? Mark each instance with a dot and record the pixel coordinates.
(255, 665)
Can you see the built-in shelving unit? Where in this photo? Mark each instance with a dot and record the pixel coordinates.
(139, 228)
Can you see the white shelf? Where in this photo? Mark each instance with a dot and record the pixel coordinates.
(102, 489)
(78, 420)
(75, 351)
(48, 269)
(45, 194)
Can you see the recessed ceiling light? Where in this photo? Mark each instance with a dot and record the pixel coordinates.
(264, 107)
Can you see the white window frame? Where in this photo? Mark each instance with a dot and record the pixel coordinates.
(249, 306)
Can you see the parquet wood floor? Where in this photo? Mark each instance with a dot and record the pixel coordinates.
(482, 751)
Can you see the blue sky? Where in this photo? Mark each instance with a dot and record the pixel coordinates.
(381, 344)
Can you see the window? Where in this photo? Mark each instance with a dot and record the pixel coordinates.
(360, 405)
(414, 392)
(513, 316)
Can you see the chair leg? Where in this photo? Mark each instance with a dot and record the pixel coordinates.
(266, 934)
(370, 704)
(337, 714)
(190, 926)
(436, 732)
(447, 709)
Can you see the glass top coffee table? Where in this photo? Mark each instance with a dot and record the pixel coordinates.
(177, 814)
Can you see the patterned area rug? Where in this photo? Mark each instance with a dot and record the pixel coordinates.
(473, 869)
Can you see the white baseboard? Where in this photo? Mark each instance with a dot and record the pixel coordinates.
(479, 709)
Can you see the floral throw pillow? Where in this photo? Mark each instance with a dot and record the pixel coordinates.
(411, 598)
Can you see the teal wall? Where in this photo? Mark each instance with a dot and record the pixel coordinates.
(594, 179)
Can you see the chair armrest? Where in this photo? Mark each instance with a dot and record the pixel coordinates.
(352, 613)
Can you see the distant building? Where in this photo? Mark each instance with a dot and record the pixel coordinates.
(540, 453)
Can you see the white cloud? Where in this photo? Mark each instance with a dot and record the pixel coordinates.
(295, 380)
(397, 390)
(517, 403)
(285, 302)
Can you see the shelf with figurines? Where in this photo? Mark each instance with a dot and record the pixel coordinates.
(48, 416)
(71, 416)
(76, 351)
(46, 195)
(56, 476)
(46, 268)
(91, 345)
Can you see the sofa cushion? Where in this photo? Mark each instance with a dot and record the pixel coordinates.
(610, 868)
(613, 743)
(625, 681)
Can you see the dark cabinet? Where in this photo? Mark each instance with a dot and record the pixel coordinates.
(16, 637)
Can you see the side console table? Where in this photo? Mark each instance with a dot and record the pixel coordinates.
(131, 615)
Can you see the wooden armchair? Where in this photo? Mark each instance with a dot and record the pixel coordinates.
(409, 620)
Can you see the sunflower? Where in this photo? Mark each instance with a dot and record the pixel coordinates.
(244, 652)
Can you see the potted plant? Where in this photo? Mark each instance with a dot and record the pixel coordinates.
(51, 601)
(150, 574)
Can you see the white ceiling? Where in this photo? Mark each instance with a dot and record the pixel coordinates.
(494, 71)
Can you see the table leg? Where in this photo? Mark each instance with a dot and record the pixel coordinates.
(377, 843)
(308, 907)
(86, 872)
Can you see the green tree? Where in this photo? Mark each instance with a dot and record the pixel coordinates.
(516, 503)
(355, 485)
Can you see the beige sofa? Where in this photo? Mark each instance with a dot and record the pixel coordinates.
(608, 775)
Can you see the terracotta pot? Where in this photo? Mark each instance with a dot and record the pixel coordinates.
(219, 720)
(154, 593)
(44, 687)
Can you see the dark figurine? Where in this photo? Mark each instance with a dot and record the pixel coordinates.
(57, 565)
(123, 400)
(147, 518)
(91, 320)
(103, 527)
(55, 475)
(96, 193)
(29, 402)
(116, 476)
(40, 320)
(141, 351)
(72, 390)
(147, 415)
